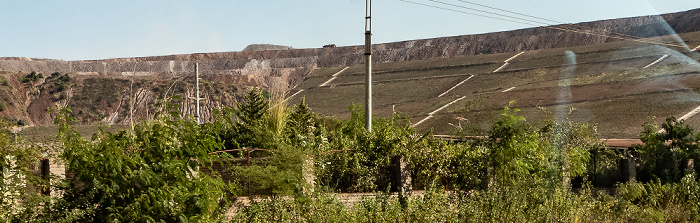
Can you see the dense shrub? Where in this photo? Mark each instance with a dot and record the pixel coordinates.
(31, 77)
(60, 83)
(142, 176)
(664, 152)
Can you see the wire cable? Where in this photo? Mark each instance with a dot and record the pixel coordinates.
(571, 30)
(468, 13)
(540, 18)
(530, 22)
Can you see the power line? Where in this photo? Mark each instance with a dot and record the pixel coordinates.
(540, 18)
(564, 29)
(482, 11)
(468, 13)
(529, 22)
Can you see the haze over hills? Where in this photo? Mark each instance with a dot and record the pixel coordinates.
(613, 82)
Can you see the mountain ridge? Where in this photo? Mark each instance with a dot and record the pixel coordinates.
(285, 69)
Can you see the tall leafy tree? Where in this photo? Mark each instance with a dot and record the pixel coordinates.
(516, 153)
(663, 151)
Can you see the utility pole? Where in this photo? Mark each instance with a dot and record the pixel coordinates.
(368, 65)
(196, 94)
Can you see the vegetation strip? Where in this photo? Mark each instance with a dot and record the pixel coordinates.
(333, 77)
(460, 83)
(579, 63)
(400, 80)
(656, 61)
(402, 70)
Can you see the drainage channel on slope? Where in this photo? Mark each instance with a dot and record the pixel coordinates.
(457, 85)
(295, 94)
(690, 114)
(506, 62)
(431, 114)
(656, 61)
(695, 49)
(333, 77)
(685, 117)
(507, 90)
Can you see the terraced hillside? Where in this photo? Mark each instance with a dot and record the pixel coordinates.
(432, 80)
(617, 85)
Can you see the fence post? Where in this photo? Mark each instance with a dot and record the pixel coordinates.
(401, 176)
(248, 161)
(308, 173)
(628, 169)
(45, 174)
(689, 166)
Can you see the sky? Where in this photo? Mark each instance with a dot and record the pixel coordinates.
(94, 29)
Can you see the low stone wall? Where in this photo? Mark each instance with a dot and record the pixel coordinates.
(349, 200)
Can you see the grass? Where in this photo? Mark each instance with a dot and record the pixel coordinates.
(634, 202)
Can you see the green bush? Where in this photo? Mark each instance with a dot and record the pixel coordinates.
(20, 200)
(148, 175)
(664, 151)
(61, 82)
(31, 77)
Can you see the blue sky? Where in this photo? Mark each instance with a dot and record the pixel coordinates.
(93, 29)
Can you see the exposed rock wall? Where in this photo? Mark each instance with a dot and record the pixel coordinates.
(265, 62)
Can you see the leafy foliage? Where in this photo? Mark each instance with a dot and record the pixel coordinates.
(31, 77)
(145, 176)
(60, 83)
(518, 173)
(20, 182)
(664, 151)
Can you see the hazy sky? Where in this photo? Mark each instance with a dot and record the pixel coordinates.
(97, 29)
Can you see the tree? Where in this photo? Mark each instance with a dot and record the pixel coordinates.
(301, 125)
(663, 151)
(251, 129)
(253, 108)
(516, 152)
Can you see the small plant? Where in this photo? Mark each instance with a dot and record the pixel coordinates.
(61, 83)
(31, 77)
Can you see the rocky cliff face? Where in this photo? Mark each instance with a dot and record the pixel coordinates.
(260, 68)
